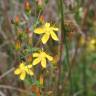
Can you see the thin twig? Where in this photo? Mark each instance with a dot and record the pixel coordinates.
(6, 73)
(2, 94)
(14, 88)
(77, 93)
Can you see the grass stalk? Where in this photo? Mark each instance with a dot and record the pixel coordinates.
(84, 69)
(64, 39)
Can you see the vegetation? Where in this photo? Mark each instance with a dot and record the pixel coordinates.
(47, 48)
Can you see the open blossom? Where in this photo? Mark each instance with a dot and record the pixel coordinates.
(47, 31)
(23, 70)
(40, 57)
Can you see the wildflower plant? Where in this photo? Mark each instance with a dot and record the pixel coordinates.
(30, 48)
(50, 45)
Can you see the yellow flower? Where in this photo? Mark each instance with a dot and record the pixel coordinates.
(47, 31)
(92, 44)
(82, 40)
(92, 41)
(23, 70)
(41, 57)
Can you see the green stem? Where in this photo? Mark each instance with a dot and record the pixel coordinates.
(84, 76)
(69, 68)
(64, 39)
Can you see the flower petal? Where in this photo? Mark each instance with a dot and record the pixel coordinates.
(45, 38)
(50, 58)
(23, 75)
(22, 65)
(55, 29)
(39, 30)
(30, 72)
(17, 71)
(43, 62)
(29, 66)
(47, 24)
(54, 36)
(36, 61)
(35, 54)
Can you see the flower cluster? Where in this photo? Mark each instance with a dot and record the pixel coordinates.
(40, 57)
(46, 32)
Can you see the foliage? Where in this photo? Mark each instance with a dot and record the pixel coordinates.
(48, 47)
